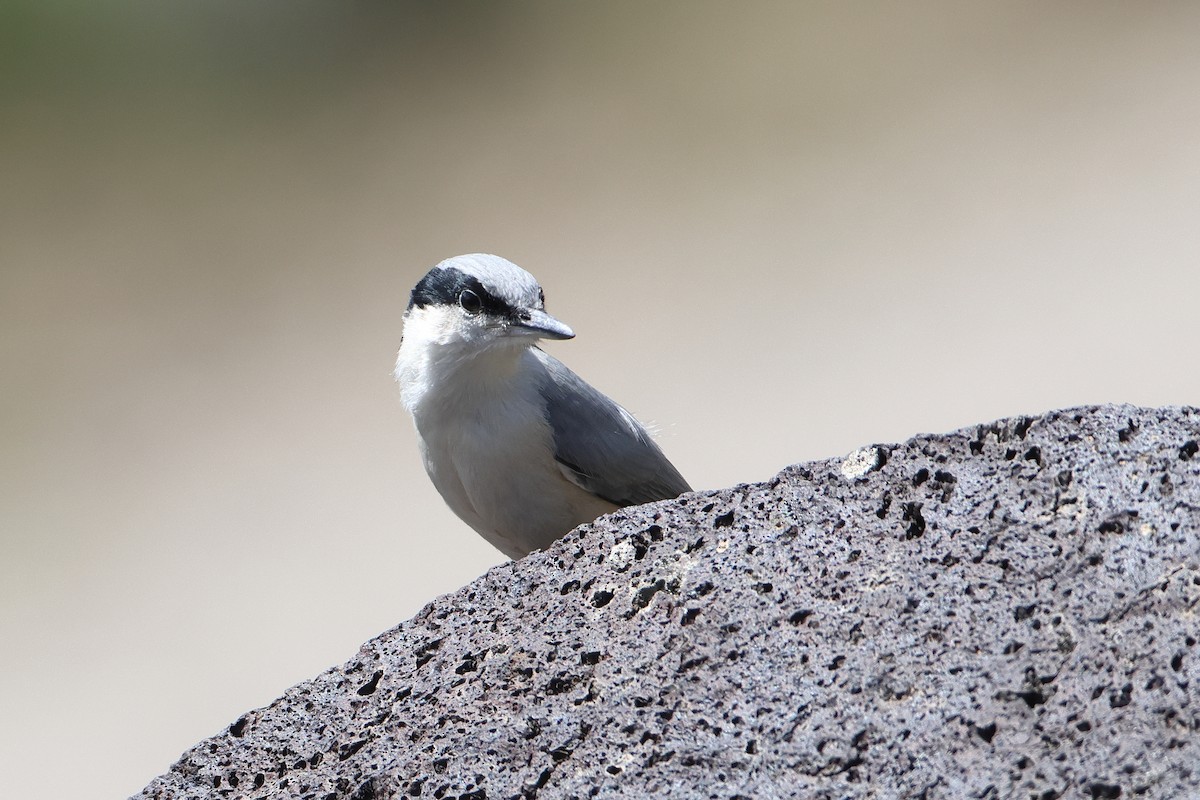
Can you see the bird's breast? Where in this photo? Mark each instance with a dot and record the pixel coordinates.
(489, 449)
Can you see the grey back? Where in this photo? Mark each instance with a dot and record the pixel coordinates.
(603, 448)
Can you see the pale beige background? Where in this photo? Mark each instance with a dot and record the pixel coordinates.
(780, 230)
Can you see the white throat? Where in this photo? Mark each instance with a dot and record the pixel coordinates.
(438, 366)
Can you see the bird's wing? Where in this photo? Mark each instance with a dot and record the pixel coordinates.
(601, 447)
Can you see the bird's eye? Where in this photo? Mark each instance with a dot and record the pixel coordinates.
(470, 302)
(541, 298)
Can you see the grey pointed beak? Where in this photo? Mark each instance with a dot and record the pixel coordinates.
(538, 323)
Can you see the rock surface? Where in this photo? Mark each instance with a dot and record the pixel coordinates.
(1009, 610)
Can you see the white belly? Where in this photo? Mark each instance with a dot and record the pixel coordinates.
(492, 461)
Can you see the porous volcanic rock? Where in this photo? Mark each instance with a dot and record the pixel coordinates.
(1009, 610)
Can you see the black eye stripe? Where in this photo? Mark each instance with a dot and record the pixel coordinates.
(445, 286)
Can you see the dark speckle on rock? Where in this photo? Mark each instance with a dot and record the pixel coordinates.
(1003, 611)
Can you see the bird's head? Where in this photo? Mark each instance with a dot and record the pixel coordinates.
(475, 303)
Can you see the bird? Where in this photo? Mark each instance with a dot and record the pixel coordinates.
(520, 447)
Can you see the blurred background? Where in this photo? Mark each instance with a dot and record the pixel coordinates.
(780, 230)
